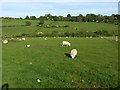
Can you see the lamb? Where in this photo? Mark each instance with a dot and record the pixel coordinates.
(5, 41)
(73, 53)
(66, 43)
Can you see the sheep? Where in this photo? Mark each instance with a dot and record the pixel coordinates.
(28, 45)
(23, 39)
(5, 41)
(66, 43)
(40, 32)
(12, 38)
(90, 36)
(73, 53)
(116, 39)
(19, 39)
(101, 37)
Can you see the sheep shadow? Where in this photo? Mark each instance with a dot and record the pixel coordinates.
(4, 87)
(68, 55)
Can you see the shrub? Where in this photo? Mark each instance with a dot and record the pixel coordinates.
(28, 23)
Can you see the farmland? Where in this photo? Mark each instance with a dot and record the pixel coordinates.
(96, 64)
(18, 27)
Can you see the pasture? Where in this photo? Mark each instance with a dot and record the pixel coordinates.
(96, 64)
(16, 27)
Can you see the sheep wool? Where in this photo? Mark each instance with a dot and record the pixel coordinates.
(66, 43)
(5, 41)
(23, 39)
(73, 53)
(28, 45)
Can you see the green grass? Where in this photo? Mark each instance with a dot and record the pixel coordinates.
(96, 64)
(88, 26)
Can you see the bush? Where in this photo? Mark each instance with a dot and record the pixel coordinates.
(54, 34)
(66, 26)
(28, 23)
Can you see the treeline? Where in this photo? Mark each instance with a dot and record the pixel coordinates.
(114, 18)
(80, 18)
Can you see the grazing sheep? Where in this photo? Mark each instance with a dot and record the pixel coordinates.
(66, 43)
(5, 41)
(97, 21)
(23, 39)
(73, 53)
(19, 39)
(30, 62)
(38, 80)
(28, 45)
(40, 32)
(116, 39)
(12, 38)
(90, 36)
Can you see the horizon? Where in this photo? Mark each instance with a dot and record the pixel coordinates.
(23, 9)
(54, 15)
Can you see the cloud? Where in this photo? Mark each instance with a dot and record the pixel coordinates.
(60, 1)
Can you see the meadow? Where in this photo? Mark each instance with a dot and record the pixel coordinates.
(95, 66)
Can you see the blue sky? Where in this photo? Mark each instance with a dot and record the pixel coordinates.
(21, 9)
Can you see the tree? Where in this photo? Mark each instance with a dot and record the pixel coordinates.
(27, 17)
(60, 18)
(41, 23)
(90, 17)
(55, 18)
(68, 15)
(79, 19)
(73, 19)
(32, 17)
(20, 17)
(48, 16)
(111, 19)
(80, 15)
(100, 18)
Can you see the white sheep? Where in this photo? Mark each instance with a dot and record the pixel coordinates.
(40, 32)
(19, 39)
(45, 38)
(28, 45)
(5, 41)
(90, 36)
(12, 38)
(73, 53)
(66, 43)
(23, 39)
(101, 37)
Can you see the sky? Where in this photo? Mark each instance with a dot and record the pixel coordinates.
(22, 8)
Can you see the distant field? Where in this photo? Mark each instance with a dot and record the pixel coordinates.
(88, 26)
(95, 66)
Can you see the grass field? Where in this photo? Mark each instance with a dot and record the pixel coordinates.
(88, 26)
(96, 64)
